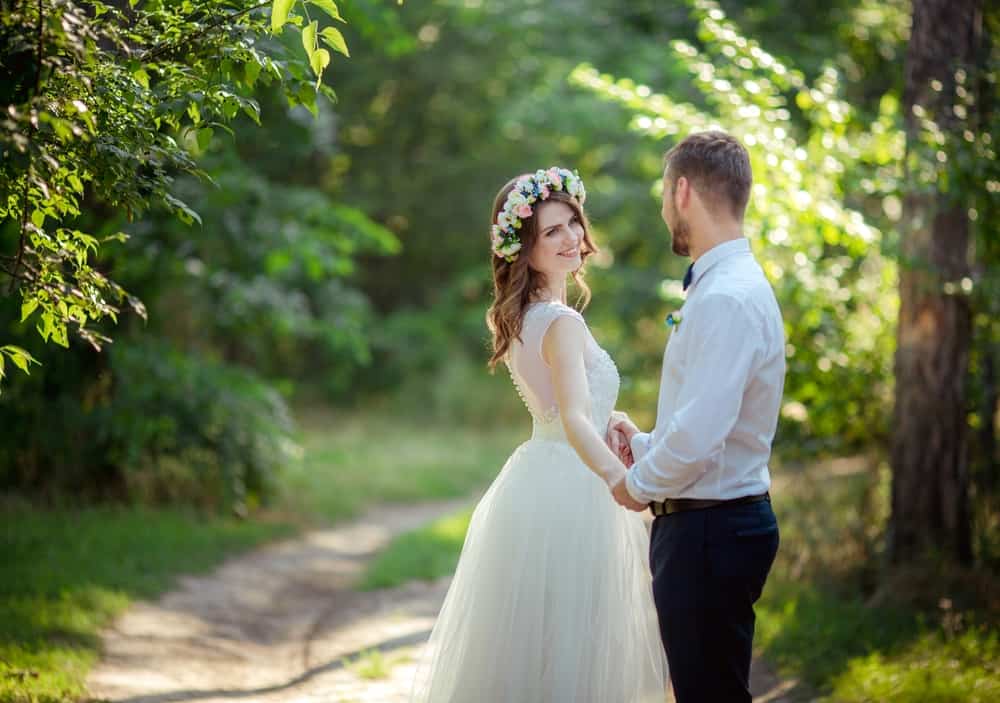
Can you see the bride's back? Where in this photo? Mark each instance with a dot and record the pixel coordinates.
(532, 375)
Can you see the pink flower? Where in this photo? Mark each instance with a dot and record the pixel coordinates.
(553, 174)
(544, 194)
(524, 211)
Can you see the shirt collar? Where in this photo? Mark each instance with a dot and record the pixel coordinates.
(716, 254)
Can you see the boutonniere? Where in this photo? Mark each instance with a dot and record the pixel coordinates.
(673, 319)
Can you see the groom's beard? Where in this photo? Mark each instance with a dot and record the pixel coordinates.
(680, 233)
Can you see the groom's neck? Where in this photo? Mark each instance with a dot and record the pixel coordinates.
(712, 235)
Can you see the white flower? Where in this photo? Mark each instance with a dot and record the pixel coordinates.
(516, 197)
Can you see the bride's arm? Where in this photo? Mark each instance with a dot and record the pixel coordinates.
(563, 348)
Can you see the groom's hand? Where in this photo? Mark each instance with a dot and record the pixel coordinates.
(625, 499)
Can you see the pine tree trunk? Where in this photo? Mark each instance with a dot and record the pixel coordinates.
(930, 501)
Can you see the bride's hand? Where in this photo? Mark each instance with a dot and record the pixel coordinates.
(619, 444)
(623, 423)
(625, 499)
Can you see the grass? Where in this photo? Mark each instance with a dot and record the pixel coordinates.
(821, 619)
(852, 652)
(426, 553)
(373, 665)
(66, 573)
(355, 460)
(836, 617)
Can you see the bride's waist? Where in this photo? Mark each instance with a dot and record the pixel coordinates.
(552, 432)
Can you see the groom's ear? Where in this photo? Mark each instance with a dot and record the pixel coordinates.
(682, 193)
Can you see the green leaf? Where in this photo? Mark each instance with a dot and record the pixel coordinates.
(141, 77)
(193, 112)
(59, 334)
(307, 96)
(329, 7)
(19, 356)
(309, 38)
(279, 14)
(38, 218)
(205, 137)
(28, 307)
(45, 326)
(252, 110)
(181, 209)
(251, 69)
(319, 60)
(335, 40)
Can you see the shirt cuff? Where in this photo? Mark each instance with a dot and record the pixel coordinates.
(639, 444)
(634, 489)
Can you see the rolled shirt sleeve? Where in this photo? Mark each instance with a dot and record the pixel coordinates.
(639, 444)
(725, 346)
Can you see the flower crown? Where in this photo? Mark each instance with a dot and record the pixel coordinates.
(528, 190)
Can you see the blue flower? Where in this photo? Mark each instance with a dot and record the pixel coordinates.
(673, 319)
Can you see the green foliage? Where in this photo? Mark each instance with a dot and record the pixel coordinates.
(261, 281)
(105, 106)
(175, 421)
(17, 355)
(269, 280)
(824, 259)
(65, 574)
(148, 423)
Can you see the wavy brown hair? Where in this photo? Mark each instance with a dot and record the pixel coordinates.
(515, 282)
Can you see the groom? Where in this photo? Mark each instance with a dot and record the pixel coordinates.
(702, 471)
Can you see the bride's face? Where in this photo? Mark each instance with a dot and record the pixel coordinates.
(559, 237)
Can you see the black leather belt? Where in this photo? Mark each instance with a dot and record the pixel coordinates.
(679, 505)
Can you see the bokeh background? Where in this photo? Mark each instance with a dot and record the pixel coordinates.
(314, 341)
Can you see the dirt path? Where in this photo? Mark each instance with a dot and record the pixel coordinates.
(282, 624)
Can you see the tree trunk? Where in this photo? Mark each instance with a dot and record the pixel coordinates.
(930, 501)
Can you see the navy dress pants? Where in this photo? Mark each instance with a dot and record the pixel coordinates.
(709, 568)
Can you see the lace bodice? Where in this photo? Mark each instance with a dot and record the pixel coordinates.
(533, 377)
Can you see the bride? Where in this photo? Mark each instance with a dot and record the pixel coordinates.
(552, 599)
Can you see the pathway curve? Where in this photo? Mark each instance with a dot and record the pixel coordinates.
(282, 624)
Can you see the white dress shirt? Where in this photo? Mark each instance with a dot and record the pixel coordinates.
(720, 391)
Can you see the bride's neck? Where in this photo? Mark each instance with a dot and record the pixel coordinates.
(548, 292)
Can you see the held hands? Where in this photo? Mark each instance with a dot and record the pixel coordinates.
(620, 432)
(619, 444)
(622, 423)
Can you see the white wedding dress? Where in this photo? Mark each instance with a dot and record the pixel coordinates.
(552, 599)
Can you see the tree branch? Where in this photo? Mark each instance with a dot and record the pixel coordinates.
(158, 51)
(31, 133)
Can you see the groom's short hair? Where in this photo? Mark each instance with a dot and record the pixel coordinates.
(717, 165)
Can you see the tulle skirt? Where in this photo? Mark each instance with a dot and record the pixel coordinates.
(552, 598)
